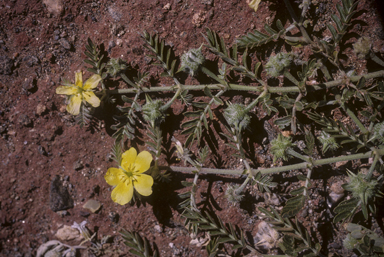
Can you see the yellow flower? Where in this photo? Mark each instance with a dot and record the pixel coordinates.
(130, 175)
(78, 92)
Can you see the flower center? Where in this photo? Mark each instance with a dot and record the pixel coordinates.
(130, 171)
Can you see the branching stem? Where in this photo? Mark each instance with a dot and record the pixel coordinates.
(293, 89)
(302, 165)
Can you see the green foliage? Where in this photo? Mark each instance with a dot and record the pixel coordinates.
(277, 64)
(367, 242)
(164, 54)
(115, 67)
(117, 151)
(192, 60)
(139, 246)
(346, 209)
(257, 38)
(296, 239)
(152, 111)
(346, 12)
(95, 59)
(194, 127)
(225, 233)
(127, 121)
(364, 194)
(237, 116)
(314, 86)
(328, 142)
(379, 132)
(280, 146)
(264, 182)
(85, 116)
(216, 45)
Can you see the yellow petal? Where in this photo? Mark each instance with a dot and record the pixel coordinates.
(67, 90)
(112, 176)
(254, 4)
(123, 193)
(92, 82)
(91, 98)
(128, 158)
(143, 184)
(143, 161)
(74, 104)
(79, 79)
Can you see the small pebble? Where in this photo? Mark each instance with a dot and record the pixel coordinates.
(92, 205)
(113, 216)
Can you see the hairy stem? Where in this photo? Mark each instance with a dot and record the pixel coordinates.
(238, 87)
(302, 165)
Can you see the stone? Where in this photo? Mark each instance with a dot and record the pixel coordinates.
(199, 18)
(78, 165)
(6, 65)
(115, 13)
(25, 120)
(113, 216)
(266, 236)
(54, 6)
(31, 60)
(336, 193)
(67, 233)
(30, 84)
(59, 198)
(271, 199)
(40, 109)
(65, 43)
(92, 205)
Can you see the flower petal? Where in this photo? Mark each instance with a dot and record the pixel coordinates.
(143, 162)
(123, 193)
(74, 104)
(143, 184)
(91, 98)
(112, 176)
(92, 82)
(79, 79)
(67, 90)
(128, 158)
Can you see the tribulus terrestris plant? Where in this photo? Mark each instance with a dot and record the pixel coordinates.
(299, 93)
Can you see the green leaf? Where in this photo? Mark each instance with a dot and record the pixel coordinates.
(190, 123)
(293, 206)
(283, 122)
(223, 240)
(343, 13)
(338, 23)
(346, 209)
(269, 29)
(201, 105)
(207, 92)
(297, 191)
(218, 101)
(299, 106)
(188, 130)
(193, 114)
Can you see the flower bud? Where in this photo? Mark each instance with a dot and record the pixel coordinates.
(350, 242)
(278, 63)
(237, 116)
(328, 142)
(279, 147)
(378, 132)
(360, 187)
(115, 66)
(362, 47)
(232, 195)
(192, 60)
(152, 112)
